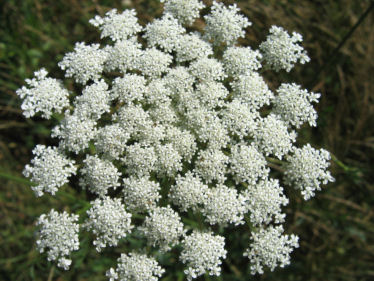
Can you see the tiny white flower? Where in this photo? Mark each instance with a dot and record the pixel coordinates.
(117, 26)
(179, 80)
(188, 192)
(247, 164)
(307, 170)
(58, 236)
(75, 133)
(224, 24)
(99, 175)
(110, 141)
(140, 194)
(153, 63)
(163, 228)
(239, 118)
(264, 201)
(49, 169)
(282, 51)
(252, 90)
(85, 63)
(293, 104)
(270, 248)
(108, 221)
(241, 61)
(272, 136)
(45, 95)
(140, 159)
(123, 56)
(207, 69)
(212, 165)
(190, 47)
(186, 11)
(223, 205)
(94, 101)
(135, 266)
(211, 94)
(164, 33)
(202, 253)
(129, 88)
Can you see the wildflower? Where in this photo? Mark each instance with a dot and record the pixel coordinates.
(85, 63)
(186, 11)
(282, 51)
(163, 227)
(270, 248)
(46, 95)
(109, 221)
(224, 24)
(58, 236)
(49, 170)
(171, 124)
(135, 266)
(202, 252)
(306, 170)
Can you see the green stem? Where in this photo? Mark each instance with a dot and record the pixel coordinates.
(340, 163)
(15, 178)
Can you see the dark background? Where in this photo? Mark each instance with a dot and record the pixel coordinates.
(336, 228)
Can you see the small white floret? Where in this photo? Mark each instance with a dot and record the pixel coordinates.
(99, 175)
(163, 227)
(58, 236)
(135, 266)
(224, 24)
(117, 26)
(282, 51)
(108, 221)
(186, 11)
(140, 193)
(294, 105)
(270, 248)
(307, 170)
(85, 63)
(202, 253)
(49, 170)
(164, 33)
(45, 95)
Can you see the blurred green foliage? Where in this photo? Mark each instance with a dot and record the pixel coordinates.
(336, 228)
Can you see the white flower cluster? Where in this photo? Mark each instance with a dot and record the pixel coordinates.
(140, 194)
(224, 24)
(282, 51)
(85, 63)
(93, 102)
(163, 227)
(270, 248)
(247, 164)
(49, 170)
(173, 125)
(273, 137)
(186, 11)
(223, 205)
(202, 252)
(58, 235)
(109, 221)
(307, 169)
(188, 192)
(264, 201)
(117, 26)
(99, 175)
(46, 95)
(135, 267)
(294, 105)
(75, 133)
